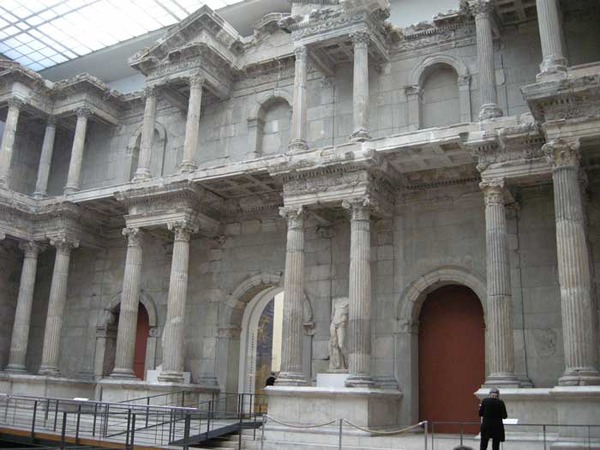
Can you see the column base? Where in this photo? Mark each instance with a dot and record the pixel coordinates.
(552, 67)
(489, 111)
(39, 195)
(3, 183)
(16, 368)
(359, 381)
(49, 371)
(71, 190)
(502, 380)
(123, 373)
(187, 166)
(141, 175)
(291, 379)
(580, 378)
(171, 377)
(360, 135)
(297, 145)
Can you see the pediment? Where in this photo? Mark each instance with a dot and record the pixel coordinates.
(203, 29)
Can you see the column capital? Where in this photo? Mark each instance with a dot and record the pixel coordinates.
(360, 208)
(83, 112)
(150, 91)
(560, 153)
(464, 80)
(493, 190)
(301, 52)
(294, 215)
(360, 38)
(197, 81)
(31, 248)
(413, 89)
(481, 8)
(183, 230)
(134, 236)
(63, 244)
(51, 121)
(2, 236)
(15, 102)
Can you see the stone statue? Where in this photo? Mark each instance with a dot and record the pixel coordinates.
(337, 329)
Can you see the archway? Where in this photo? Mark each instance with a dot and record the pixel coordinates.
(451, 357)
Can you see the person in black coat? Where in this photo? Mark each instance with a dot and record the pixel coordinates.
(492, 410)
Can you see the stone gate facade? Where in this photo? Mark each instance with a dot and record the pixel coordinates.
(332, 153)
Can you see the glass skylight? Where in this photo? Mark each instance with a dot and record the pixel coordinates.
(42, 33)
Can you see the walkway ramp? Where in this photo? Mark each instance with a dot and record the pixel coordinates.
(233, 428)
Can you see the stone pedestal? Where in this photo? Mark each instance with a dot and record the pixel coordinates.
(114, 390)
(365, 407)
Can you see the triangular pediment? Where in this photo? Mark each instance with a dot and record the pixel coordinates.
(203, 29)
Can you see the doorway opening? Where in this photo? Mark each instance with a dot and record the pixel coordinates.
(261, 344)
(451, 358)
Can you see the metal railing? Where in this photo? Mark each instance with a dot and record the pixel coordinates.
(142, 423)
(536, 436)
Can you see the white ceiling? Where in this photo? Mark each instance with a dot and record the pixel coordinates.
(44, 33)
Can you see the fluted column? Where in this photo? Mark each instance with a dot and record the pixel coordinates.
(56, 306)
(360, 87)
(553, 61)
(8, 140)
(41, 184)
(574, 272)
(20, 332)
(142, 172)
(174, 327)
(128, 314)
(74, 176)
(299, 107)
(293, 287)
(482, 10)
(359, 293)
(192, 125)
(501, 356)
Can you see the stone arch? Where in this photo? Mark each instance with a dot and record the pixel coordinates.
(145, 300)
(414, 295)
(256, 119)
(107, 329)
(415, 89)
(406, 336)
(133, 145)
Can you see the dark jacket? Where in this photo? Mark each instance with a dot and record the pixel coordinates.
(493, 411)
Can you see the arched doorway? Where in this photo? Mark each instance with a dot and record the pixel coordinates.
(261, 342)
(451, 357)
(141, 342)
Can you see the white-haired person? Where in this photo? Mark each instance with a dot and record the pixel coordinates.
(492, 410)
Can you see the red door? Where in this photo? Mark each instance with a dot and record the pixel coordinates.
(451, 357)
(141, 338)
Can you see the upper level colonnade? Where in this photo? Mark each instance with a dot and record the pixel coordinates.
(90, 114)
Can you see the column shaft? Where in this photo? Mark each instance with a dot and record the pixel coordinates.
(482, 9)
(360, 87)
(74, 176)
(192, 125)
(499, 300)
(174, 326)
(43, 174)
(145, 156)
(298, 129)
(8, 140)
(293, 285)
(574, 272)
(551, 38)
(56, 307)
(20, 332)
(359, 323)
(130, 295)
